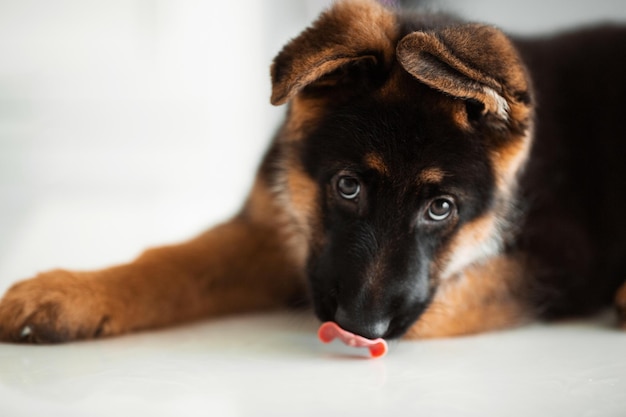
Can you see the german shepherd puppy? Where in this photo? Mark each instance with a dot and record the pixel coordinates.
(432, 178)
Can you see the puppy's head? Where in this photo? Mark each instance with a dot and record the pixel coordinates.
(400, 152)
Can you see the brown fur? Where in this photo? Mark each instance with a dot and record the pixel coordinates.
(620, 305)
(375, 161)
(303, 115)
(330, 45)
(494, 68)
(431, 175)
(481, 299)
(172, 284)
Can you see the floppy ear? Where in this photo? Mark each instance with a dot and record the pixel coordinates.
(350, 35)
(472, 62)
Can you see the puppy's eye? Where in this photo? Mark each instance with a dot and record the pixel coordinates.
(440, 209)
(348, 187)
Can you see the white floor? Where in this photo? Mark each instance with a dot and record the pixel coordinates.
(272, 365)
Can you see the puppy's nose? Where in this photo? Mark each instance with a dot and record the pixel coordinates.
(361, 325)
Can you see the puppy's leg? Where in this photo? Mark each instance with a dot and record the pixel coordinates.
(484, 297)
(239, 266)
(620, 305)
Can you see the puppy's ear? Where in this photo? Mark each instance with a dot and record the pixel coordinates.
(473, 62)
(351, 36)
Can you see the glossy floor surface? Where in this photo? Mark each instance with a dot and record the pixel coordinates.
(272, 365)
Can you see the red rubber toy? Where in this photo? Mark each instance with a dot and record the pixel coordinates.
(329, 331)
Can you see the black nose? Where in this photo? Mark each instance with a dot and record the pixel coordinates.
(363, 326)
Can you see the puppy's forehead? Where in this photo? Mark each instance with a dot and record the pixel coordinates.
(409, 136)
(426, 175)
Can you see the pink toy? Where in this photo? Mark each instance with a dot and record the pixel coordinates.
(329, 331)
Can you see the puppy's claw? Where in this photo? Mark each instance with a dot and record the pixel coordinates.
(26, 331)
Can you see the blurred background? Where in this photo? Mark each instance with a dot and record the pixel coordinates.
(129, 123)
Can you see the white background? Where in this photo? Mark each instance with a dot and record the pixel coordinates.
(130, 123)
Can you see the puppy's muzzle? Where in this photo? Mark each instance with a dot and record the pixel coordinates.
(362, 324)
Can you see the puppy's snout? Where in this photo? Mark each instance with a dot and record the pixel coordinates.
(360, 324)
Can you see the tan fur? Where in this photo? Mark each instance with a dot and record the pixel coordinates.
(376, 161)
(457, 61)
(459, 116)
(473, 242)
(326, 48)
(507, 161)
(480, 299)
(620, 305)
(431, 176)
(302, 117)
(303, 194)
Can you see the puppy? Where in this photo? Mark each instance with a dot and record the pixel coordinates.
(432, 178)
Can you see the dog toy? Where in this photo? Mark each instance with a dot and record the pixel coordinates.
(329, 331)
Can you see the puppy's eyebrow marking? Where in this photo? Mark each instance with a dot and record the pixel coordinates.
(375, 161)
(431, 175)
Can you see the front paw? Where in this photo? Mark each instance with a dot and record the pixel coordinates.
(620, 306)
(54, 307)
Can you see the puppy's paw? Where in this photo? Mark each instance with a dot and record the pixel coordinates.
(54, 307)
(620, 306)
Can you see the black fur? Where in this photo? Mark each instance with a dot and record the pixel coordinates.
(574, 187)
(387, 224)
(573, 191)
